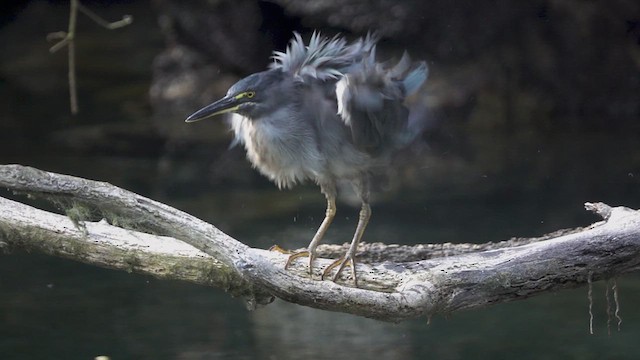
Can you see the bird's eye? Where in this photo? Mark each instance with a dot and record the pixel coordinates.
(250, 94)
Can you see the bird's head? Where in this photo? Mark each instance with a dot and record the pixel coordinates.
(253, 96)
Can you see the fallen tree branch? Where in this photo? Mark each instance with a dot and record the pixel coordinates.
(397, 283)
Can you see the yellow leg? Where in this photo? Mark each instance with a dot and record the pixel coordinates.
(311, 249)
(349, 258)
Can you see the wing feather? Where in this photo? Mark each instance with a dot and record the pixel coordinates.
(371, 101)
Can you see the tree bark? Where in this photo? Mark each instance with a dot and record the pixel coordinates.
(114, 228)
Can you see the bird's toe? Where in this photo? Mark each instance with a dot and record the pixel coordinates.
(304, 253)
(341, 263)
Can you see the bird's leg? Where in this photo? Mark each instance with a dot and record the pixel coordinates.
(328, 218)
(349, 258)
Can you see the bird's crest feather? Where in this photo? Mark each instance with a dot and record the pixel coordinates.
(324, 58)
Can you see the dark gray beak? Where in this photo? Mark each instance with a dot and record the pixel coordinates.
(222, 106)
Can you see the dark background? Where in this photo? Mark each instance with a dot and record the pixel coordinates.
(531, 110)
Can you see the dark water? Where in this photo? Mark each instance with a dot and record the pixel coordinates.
(59, 309)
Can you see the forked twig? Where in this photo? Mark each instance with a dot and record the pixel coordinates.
(67, 39)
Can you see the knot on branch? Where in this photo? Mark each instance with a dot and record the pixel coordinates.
(598, 208)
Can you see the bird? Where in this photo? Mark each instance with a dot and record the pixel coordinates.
(328, 112)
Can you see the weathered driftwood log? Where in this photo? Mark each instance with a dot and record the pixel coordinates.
(133, 233)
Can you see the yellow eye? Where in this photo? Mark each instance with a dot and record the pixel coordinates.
(246, 94)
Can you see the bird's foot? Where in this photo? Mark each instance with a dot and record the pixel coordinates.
(341, 263)
(277, 248)
(304, 253)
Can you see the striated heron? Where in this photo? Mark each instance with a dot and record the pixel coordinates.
(327, 112)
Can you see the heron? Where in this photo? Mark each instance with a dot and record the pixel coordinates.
(327, 111)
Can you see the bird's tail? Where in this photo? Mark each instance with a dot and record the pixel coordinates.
(415, 78)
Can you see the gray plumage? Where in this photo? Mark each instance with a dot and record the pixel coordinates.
(325, 112)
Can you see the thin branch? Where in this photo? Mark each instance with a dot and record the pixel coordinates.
(68, 39)
(126, 19)
(73, 85)
(62, 37)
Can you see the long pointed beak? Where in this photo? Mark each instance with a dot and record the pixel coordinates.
(224, 105)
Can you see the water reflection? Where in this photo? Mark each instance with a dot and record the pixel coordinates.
(52, 306)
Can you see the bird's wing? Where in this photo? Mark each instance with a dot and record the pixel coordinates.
(370, 101)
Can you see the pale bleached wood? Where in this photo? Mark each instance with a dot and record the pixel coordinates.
(450, 278)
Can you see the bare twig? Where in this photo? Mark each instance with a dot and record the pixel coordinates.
(126, 19)
(68, 39)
